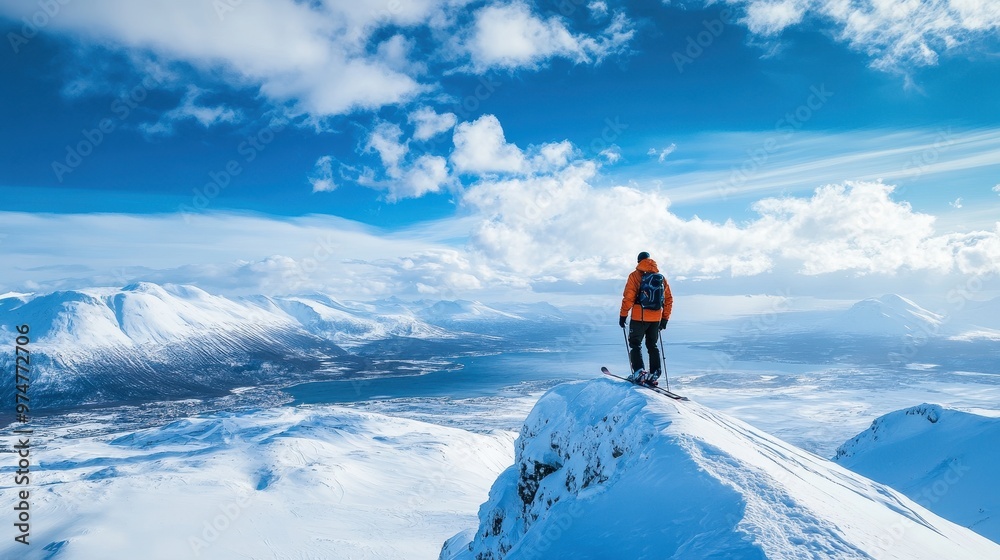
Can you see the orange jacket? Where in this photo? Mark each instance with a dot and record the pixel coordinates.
(632, 289)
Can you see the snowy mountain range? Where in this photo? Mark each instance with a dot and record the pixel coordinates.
(890, 331)
(607, 470)
(149, 342)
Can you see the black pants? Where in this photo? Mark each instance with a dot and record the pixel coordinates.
(637, 330)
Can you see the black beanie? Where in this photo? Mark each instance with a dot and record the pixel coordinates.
(642, 255)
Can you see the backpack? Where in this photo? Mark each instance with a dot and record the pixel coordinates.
(651, 291)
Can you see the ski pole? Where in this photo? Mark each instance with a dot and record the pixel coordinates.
(627, 352)
(663, 358)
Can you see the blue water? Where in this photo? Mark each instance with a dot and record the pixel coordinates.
(478, 377)
(483, 376)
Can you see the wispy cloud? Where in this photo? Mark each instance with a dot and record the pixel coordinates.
(190, 109)
(896, 35)
(661, 155)
(739, 165)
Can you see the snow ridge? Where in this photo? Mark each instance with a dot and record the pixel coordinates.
(607, 470)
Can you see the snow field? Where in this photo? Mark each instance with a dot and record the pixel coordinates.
(309, 482)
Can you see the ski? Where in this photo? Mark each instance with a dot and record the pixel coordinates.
(659, 390)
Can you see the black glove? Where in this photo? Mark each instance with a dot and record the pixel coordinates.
(663, 323)
(621, 321)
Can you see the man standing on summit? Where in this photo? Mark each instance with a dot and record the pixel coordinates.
(647, 297)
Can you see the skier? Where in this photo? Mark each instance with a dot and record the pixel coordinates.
(650, 306)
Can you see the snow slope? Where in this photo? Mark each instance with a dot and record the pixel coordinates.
(945, 460)
(288, 483)
(607, 470)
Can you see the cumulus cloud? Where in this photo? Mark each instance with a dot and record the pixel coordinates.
(519, 233)
(429, 123)
(480, 147)
(403, 174)
(511, 36)
(385, 140)
(428, 174)
(855, 227)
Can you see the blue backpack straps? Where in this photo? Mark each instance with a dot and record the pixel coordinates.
(651, 291)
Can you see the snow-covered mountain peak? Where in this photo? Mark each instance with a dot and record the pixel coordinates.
(891, 315)
(465, 310)
(608, 470)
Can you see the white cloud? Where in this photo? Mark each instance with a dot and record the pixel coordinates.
(429, 123)
(661, 155)
(957, 203)
(771, 17)
(511, 36)
(322, 176)
(854, 227)
(520, 233)
(385, 140)
(598, 9)
(404, 175)
(896, 34)
(189, 109)
(996, 188)
(296, 52)
(480, 147)
(428, 174)
(612, 154)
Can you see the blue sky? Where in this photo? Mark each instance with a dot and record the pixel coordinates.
(481, 149)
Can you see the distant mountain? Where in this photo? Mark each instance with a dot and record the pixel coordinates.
(608, 470)
(146, 341)
(982, 318)
(889, 315)
(945, 460)
(887, 331)
(354, 324)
